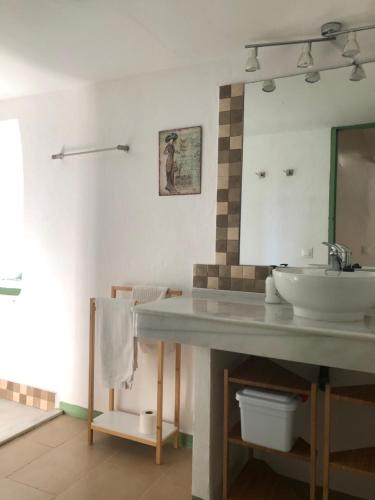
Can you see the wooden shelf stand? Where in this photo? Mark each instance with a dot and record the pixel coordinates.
(258, 480)
(124, 424)
(358, 461)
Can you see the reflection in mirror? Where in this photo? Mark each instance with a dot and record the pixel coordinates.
(355, 192)
(284, 218)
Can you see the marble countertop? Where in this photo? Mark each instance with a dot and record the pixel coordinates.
(242, 322)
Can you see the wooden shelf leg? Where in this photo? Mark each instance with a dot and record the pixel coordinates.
(313, 439)
(159, 410)
(91, 371)
(226, 435)
(327, 441)
(177, 395)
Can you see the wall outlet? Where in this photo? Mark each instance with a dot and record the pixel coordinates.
(307, 253)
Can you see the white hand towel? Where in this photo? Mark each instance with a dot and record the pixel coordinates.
(143, 294)
(115, 333)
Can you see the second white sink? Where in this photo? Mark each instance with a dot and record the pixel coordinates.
(327, 295)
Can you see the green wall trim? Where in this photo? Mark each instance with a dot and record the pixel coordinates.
(196, 498)
(186, 440)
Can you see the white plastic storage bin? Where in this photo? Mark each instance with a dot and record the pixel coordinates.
(267, 418)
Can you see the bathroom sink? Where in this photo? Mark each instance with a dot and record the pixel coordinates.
(326, 295)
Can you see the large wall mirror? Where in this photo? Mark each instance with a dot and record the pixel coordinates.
(311, 132)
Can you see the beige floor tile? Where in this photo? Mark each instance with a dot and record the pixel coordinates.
(165, 489)
(178, 466)
(56, 470)
(18, 453)
(10, 490)
(107, 482)
(58, 431)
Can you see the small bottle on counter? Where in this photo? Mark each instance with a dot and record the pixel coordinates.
(272, 295)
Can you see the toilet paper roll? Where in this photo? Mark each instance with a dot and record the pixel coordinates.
(147, 422)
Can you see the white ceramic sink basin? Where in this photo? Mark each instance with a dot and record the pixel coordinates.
(326, 295)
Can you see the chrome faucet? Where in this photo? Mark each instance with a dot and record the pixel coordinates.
(340, 257)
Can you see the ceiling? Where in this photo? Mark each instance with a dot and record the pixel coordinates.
(53, 44)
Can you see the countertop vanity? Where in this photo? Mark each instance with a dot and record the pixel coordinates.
(223, 325)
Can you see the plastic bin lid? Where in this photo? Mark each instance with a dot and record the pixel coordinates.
(276, 397)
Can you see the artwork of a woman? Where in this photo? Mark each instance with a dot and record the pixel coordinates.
(170, 164)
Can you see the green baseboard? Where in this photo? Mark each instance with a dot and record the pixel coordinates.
(196, 498)
(186, 440)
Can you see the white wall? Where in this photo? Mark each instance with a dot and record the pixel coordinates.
(94, 221)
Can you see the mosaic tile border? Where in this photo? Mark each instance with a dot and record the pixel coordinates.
(234, 278)
(27, 395)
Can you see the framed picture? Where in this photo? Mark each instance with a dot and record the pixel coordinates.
(180, 161)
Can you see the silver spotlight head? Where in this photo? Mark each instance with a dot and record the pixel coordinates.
(358, 73)
(312, 77)
(269, 85)
(252, 62)
(351, 48)
(306, 59)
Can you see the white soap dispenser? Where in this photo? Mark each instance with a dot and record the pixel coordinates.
(272, 295)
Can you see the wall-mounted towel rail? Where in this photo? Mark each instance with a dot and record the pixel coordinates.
(119, 147)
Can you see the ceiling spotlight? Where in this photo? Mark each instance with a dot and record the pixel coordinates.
(312, 77)
(268, 86)
(252, 63)
(306, 59)
(358, 73)
(351, 48)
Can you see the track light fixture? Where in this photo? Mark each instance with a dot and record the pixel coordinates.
(306, 59)
(312, 77)
(358, 73)
(351, 48)
(252, 63)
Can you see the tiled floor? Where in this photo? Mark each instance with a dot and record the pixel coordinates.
(54, 461)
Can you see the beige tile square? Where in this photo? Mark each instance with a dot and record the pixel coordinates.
(221, 258)
(236, 272)
(224, 104)
(11, 490)
(23, 389)
(213, 283)
(224, 130)
(222, 182)
(29, 400)
(222, 208)
(16, 454)
(237, 89)
(249, 272)
(233, 233)
(236, 142)
(58, 431)
(223, 170)
(43, 404)
(16, 397)
(3, 384)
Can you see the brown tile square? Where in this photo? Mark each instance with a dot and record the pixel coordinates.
(224, 271)
(222, 221)
(235, 181)
(232, 259)
(249, 272)
(37, 393)
(236, 129)
(224, 118)
(248, 285)
(236, 116)
(23, 399)
(233, 246)
(222, 195)
(225, 91)
(223, 156)
(234, 194)
(260, 286)
(221, 233)
(234, 207)
(200, 270)
(30, 391)
(237, 102)
(234, 220)
(213, 270)
(235, 155)
(261, 272)
(224, 283)
(51, 396)
(221, 245)
(16, 387)
(200, 282)
(235, 169)
(236, 284)
(10, 386)
(223, 143)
